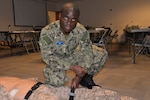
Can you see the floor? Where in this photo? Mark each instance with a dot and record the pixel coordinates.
(118, 74)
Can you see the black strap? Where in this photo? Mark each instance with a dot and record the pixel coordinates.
(32, 89)
(72, 94)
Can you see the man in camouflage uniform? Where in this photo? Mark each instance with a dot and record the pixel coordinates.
(65, 44)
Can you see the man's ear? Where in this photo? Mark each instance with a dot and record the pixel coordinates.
(60, 15)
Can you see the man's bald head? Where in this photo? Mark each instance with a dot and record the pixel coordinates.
(70, 6)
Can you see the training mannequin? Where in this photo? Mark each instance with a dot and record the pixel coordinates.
(13, 88)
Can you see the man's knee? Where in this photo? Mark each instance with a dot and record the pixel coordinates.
(55, 77)
(55, 80)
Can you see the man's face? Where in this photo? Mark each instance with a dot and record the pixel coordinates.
(68, 20)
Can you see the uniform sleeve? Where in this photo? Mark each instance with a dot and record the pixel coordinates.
(46, 45)
(91, 54)
(86, 50)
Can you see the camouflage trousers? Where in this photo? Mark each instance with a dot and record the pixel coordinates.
(55, 74)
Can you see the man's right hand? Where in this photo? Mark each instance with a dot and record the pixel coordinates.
(80, 72)
(75, 82)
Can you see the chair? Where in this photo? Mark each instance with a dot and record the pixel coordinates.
(102, 39)
(36, 36)
(140, 48)
(28, 42)
(112, 37)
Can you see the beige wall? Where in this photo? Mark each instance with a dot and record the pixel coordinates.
(6, 14)
(51, 16)
(124, 12)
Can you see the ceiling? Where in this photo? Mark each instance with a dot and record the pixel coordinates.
(60, 1)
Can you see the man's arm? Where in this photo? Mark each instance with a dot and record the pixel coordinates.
(47, 46)
(86, 51)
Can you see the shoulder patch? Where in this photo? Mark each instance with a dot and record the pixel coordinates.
(85, 36)
(47, 39)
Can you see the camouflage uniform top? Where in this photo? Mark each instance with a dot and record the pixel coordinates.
(66, 50)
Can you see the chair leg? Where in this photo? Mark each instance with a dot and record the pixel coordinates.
(33, 47)
(26, 48)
